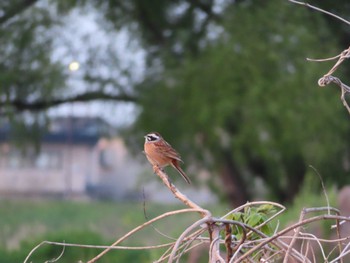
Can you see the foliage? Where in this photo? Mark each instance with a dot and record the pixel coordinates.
(27, 70)
(249, 103)
(34, 73)
(254, 217)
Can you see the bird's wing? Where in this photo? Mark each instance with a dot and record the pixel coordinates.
(166, 149)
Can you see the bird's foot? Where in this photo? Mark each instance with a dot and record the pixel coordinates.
(156, 168)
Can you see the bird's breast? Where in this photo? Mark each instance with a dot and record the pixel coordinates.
(155, 156)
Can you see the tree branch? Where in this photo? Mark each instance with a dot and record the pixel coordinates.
(16, 9)
(22, 105)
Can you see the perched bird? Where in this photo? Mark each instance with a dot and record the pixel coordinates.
(160, 153)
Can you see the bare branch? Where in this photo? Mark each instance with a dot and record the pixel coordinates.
(139, 228)
(320, 10)
(16, 10)
(287, 229)
(328, 78)
(38, 105)
(178, 194)
(184, 234)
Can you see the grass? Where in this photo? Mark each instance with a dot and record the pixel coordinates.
(36, 218)
(33, 221)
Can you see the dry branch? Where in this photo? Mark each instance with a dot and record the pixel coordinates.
(329, 78)
(138, 229)
(268, 248)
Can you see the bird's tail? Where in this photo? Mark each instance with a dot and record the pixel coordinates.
(178, 168)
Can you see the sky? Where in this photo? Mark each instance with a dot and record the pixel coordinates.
(83, 39)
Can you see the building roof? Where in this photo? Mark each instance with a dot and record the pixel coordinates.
(70, 130)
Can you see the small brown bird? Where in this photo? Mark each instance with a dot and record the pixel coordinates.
(160, 153)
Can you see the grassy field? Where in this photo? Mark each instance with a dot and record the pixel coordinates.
(25, 223)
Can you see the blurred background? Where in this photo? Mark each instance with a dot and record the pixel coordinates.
(226, 82)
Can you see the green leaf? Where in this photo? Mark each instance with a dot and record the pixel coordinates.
(235, 216)
(267, 208)
(254, 219)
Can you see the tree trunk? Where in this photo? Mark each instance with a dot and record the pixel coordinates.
(233, 185)
(296, 169)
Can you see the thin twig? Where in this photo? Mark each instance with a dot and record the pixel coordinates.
(328, 78)
(238, 250)
(314, 238)
(343, 254)
(190, 239)
(322, 240)
(56, 259)
(323, 59)
(323, 187)
(32, 251)
(282, 232)
(320, 10)
(146, 217)
(184, 234)
(39, 245)
(297, 230)
(141, 227)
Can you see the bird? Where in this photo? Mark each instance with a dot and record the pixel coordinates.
(160, 153)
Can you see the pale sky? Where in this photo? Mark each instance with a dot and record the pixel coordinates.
(81, 35)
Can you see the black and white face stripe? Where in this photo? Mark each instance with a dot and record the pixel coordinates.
(152, 137)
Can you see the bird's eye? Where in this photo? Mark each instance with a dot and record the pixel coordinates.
(152, 137)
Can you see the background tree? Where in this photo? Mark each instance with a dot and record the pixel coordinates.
(249, 106)
(32, 78)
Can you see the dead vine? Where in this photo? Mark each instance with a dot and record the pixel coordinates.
(345, 54)
(254, 244)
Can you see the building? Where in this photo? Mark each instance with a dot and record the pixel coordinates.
(76, 159)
